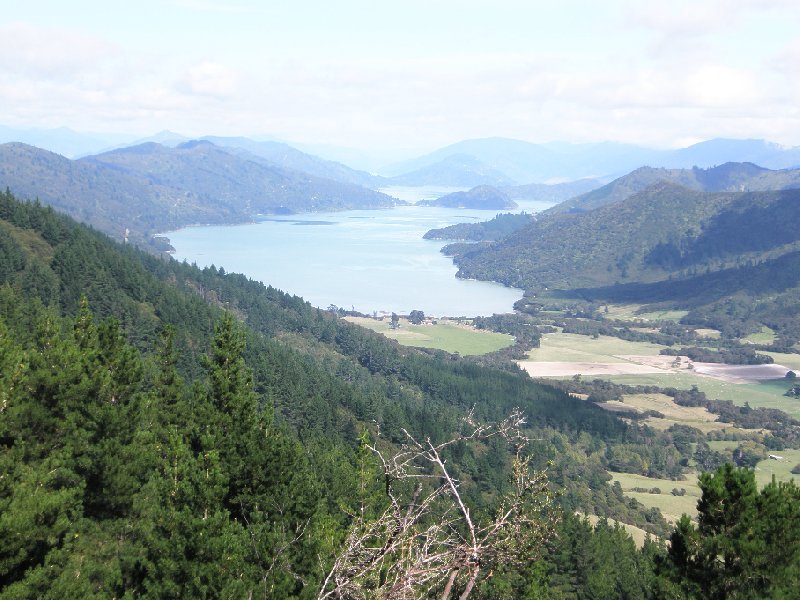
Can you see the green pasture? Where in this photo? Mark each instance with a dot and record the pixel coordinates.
(571, 347)
(768, 394)
(765, 336)
(693, 416)
(448, 336)
(672, 507)
(781, 469)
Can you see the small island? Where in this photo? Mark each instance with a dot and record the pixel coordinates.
(482, 197)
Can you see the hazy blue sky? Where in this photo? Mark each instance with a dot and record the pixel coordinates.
(412, 74)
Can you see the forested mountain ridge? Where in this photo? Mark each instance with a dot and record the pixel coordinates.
(729, 177)
(151, 188)
(661, 231)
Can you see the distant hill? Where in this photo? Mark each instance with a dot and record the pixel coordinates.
(63, 140)
(482, 197)
(729, 177)
(665, 230)
(287, 157)
(457, 170)
(152, 188)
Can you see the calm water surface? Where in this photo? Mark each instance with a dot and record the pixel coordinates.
(370, 260)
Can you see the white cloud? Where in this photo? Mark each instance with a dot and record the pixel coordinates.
(51, 52)
(210, 79)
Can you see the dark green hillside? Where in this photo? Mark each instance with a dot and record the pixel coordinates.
(237, 183)
(662, 231)
(139, 191)
(729, 177)
(498, 228)
(108, 199)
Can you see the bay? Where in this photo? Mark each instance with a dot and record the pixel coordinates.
(367, 260)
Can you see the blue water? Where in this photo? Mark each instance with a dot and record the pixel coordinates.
(368, 260)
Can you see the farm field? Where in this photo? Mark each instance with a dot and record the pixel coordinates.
(693, 416)
(564, 355)
(445, 335)
(780, 468)
(571, 347)
(768, 394)
(672, 507)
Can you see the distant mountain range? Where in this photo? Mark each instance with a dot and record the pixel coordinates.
(499, 162)
(152, 188)
(524, 162)
(730, 177)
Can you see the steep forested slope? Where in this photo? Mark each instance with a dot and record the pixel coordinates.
(176, 452)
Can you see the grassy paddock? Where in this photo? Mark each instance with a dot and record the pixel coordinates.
(672, 507)
(445, 335)
(780, 468)
(768, 394)
(693, 416)
(765, 336)
(565, 347)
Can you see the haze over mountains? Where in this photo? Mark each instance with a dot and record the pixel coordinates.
(489, 161)
(524, 162)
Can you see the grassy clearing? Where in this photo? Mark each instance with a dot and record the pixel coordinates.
(765, 336)
(445, 335)
(790, 361)
(693, 416)
(571, 347)
(780, 468)
(768, 394)
(722, 445)
(672, 507)
(708, 333)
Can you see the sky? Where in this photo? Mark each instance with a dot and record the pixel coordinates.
(416, 74)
